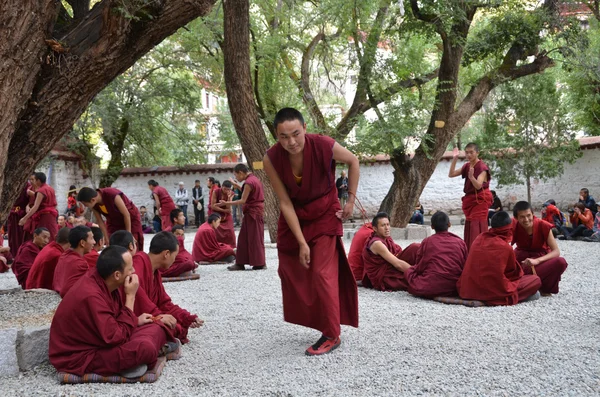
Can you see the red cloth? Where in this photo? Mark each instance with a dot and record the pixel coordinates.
(251, 240)
(210, 193)
(93, 331)
(207, 248)
(166, 206)
(115, 220)
(70, 268)
(586, 219)
(550, 212)
(475, 203)
(91, 258)
(152, 298)
(15, 232)
(379, 273)
(183, 262)
(325, 295)
(479, 167)
(438, 267)
(225, 231)
(357, 265)
(492, 273)
(24, 260)
(46, 214)
(41, 274)
(534, 246)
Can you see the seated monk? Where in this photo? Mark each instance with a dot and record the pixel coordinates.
(225, 232)
(183, 262)
(95, 331)
(6, 257)
(27, 253)
(92, 257)
(206, 247)
(385, 261)
(439, 263)
(151, 296)
(41, 274)
(356, 249)
(537, 250)
(492, 273)
(72, 265)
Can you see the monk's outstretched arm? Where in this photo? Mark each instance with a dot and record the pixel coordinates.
(36, 205)
(124, 212)
(287, 209)
(378, 248)
(343, 155)
(242, 200)
(554, 252)
(453, 171)
(101, 225)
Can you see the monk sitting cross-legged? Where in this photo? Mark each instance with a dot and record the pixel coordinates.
(151, 296)
(92, 256)
(183, 262)
(492, 273)
(72, 265)
(27, 254)
(537, 250)
(439, 262)
(95, 331)
(41, 274)
(206, 247)
(385, 261)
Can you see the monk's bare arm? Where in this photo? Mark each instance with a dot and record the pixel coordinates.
(242, 200)
(453, 171)
(378, 248)
(157, 203)
(554, 250)
(33, 210)
(101, 225)
(479, 181)
(343, 155)
(123, 210)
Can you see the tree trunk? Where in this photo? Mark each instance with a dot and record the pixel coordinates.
(528, 182)
(115, 143)
(240, 96)
(46, 85)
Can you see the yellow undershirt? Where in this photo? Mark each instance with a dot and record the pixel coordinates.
(298, 179)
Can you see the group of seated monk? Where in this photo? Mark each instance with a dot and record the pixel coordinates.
(490, 271)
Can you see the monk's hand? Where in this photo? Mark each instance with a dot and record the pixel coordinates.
(4, 249)
(304, 255)
(197, 323)
(168, 320)
(144, 319)
(471, 172)
(455, 153)
(132, 283)
(22, 222)
(348, 210)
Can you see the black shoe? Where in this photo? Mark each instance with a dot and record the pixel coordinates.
(236, 267)
(561, 238)
(259, 267)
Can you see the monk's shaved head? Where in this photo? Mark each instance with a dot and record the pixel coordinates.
(122, 238)
(111, 259)
(86, 194)
(97, 233)
(380, 215)
(62, 237)
(163, 241)
(521, 206)
(501, 219)
(472, 145)
(440, 222)
(287, 114)
(241, 168)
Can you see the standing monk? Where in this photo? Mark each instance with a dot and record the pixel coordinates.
(115, 206)
(15, 231)
(477, 199)
(251, 240)
(27, 254)
(164, 205)
(43, 213)
(212, 186)
(318, 287)
(225, 231)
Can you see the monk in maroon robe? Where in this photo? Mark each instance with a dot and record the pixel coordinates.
(225, 231)
(114, 206)
(92, 257)
(95, 331)
(27, 253)
(318, 288)
(15, 231)
(164, 204)
(251, 240)
(385, 261)
(492, 273)
(212, 186)
(72, 265)
(41, 274)
(184, 263)
(360, 239)
(440, 261)
(206, 247)
(537, 250)
(43, 213)
(478, 198)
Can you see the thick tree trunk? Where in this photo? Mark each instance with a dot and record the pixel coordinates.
(115, 141)
(46, 85)
(240, 96)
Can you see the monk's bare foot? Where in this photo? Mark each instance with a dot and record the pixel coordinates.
(234, 268)
(259, 267)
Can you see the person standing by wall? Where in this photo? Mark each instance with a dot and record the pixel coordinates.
(182, 199)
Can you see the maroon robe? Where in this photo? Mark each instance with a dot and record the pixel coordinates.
(24, 260)
(379, 273)
(166, 206)
(439, 264)
(476, 203)
(210, 193)
(152, 298)
(183, 262)
(46, 214)
(6, 256)
(251, 240)
(207, 248)
(225, 231)
(492, 273)
(15, 232)
(70, 268)
(325, 295)
(356, 249)
(91, 258)
(41, 274)
(114, 219)
(534, 246)
(94, 332)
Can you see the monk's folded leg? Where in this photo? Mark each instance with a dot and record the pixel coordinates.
(395, 281)
(409, 254)
(528, 286)
(142, 348)
(550, 273)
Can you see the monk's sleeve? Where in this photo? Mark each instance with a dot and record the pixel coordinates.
(143, 304)
(420, 263)
(513, 270)
(114, 331)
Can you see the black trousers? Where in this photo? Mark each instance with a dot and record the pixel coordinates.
(199, 215)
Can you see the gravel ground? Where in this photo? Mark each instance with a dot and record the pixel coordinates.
(404, 346)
